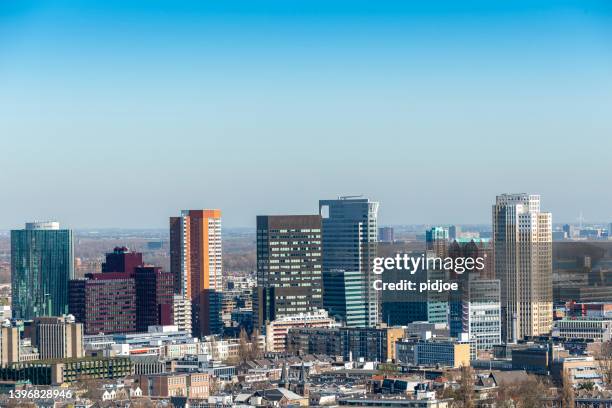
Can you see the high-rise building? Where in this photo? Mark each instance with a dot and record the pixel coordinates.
(350, 234)
(195, 261)
(473, 248)
(58, 337)
(570, 231)
(288, 266)
(343, 297)
(122, 260)
(454, 232)
(104, 302)
(482, 313)
(386, 234)
(436, 240)
(154, 291)
(401, 307)
(128, 296)
(42, 263)
(522, 242)
(459, 301)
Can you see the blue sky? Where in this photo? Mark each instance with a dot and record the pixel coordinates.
(121, 113)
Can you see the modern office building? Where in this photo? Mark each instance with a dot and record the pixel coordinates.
(570, 231)
(58, 337)
(122, 260)
(58, 372)
(482, 313)
(196, 262)
(350, 234)
(42, 263)
(596, 329)
(436, 240)
(154, 292)
(343, 297)
(522, 239)
(104, 302)
(128, 296)
(598, 310)
(369, 343)
(454, 232)
(288, 266)
(401, 307)
(448, 352)
(386, 234)
(276, 330)
(474, 248)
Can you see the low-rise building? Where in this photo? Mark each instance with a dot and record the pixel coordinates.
(276, 330)
(367, 343)
(57, 372)
(579, 370)
(203, 363)
(192, 385)
(583, 328)
(433, 351)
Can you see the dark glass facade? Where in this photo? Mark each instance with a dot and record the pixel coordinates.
(42, 263)
(288, 266)
(154, 289)
(350, 242)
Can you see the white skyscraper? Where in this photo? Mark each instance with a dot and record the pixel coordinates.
(522, 237)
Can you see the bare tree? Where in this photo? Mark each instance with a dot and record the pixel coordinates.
(255, 351)
(243, 348)
(567, 391)
(214, 386)
(465, 393)
(525, 394)
(530, 392)
(604, 362)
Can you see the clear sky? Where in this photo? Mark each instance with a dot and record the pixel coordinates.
(121, 113)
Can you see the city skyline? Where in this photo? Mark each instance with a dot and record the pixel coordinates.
(306, 203)
(206, 105)
(579, 219)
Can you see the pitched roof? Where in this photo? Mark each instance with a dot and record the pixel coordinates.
(509, 377)
(277, 394)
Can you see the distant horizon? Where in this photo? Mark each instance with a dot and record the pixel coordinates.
(225, 228)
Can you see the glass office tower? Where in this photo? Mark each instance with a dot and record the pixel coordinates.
(42, 263)
(350, 234)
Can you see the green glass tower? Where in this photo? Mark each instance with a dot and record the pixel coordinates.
(42, 263)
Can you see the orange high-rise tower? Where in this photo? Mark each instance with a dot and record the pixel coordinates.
(195, 260)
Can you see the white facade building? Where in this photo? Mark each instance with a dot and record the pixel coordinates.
(522, 239)
(276, 330)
